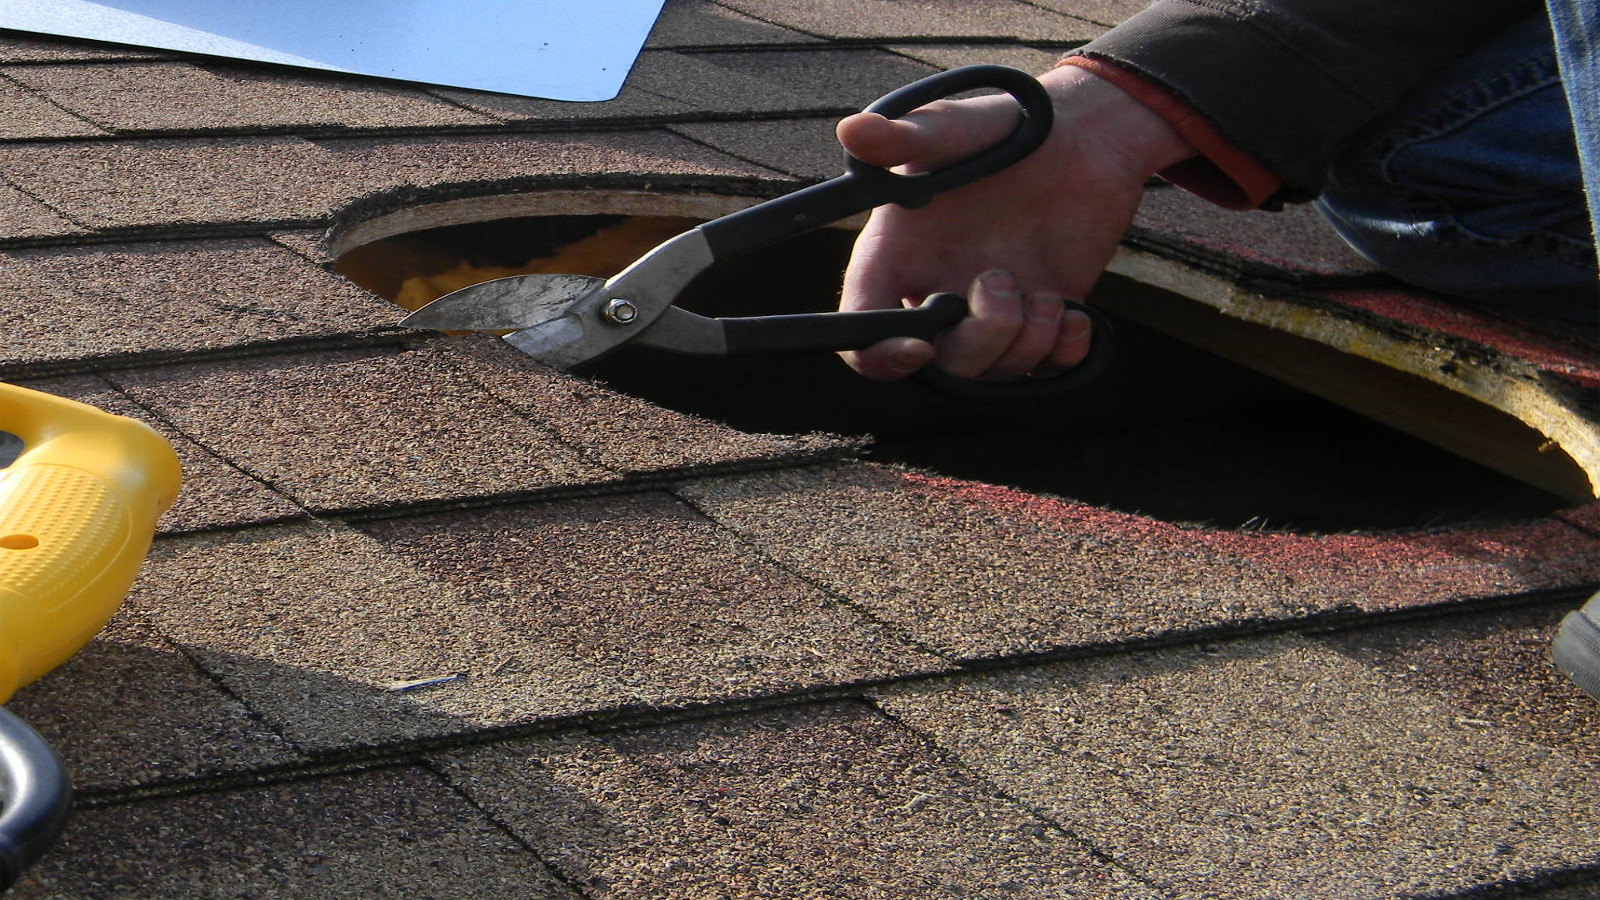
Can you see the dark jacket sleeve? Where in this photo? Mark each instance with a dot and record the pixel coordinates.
(1289, 81)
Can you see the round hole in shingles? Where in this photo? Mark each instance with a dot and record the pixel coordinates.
(1175, 432)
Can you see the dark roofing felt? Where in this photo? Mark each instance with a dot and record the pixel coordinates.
(429, 619)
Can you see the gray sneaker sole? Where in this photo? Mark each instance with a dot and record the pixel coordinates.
(1576, 649)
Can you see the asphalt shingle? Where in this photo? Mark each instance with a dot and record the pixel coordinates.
(214, 493)
(804, 148)
(584, 159)
(632, 104)
(894, 19)
(1295, 244)
(1327, 782)
(1494, 667)
(1585, 517)
(848, 79)
(191, 99)
(1106, 12)
(164, 298)
(315, 627)
(16, 46)
(614, 430)
(978, 571)
(663, 84)
(365, 835)
(192, 182)
(131, 688)
(950, 56)
(432, 620)
(181, 181)
(353, 429)
(529, 613)
(28, 219)
(25, 115)
(810, 802)
(703, 23)
(654, 603)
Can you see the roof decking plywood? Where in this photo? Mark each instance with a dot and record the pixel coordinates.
(431, 619)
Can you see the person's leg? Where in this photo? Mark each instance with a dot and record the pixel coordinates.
(1471, 186)
(1576, 649)
(1576, 24)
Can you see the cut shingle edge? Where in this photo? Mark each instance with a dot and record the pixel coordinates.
(392, 214)
(1554, 395)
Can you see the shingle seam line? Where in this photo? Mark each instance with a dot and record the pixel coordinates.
(205, 448)
(510, 127)
(953, 760)
(739, 156)
(377, 337)
(621, 717)
(407, 753)
(1067, 15)
(217, 682)
(888, 626)
(65, 216)
(46, 98)
(623, 484)
(428, 764)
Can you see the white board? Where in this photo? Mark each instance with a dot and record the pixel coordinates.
(554, 49)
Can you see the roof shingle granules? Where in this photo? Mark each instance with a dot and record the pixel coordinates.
(661, 657)
(1266, 769)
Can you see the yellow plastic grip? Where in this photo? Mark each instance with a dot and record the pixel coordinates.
(78, 510)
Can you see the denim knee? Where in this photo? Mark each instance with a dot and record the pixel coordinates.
(1472, 187)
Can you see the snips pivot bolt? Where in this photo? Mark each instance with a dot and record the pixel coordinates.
(619, 311)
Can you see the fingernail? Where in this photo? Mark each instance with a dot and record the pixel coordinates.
(1074, 323)
(1044, 309)
(999, 282)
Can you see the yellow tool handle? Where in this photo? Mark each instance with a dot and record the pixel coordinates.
(78, 509)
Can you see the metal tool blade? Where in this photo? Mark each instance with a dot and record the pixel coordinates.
(504, 304)
(567, 320)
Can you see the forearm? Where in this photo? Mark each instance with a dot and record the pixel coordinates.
(1290, 80)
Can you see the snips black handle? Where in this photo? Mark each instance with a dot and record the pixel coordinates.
(813, 332)
(863, 187)
(914, 190)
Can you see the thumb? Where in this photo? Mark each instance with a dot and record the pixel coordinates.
(880, 141)
(941, 132)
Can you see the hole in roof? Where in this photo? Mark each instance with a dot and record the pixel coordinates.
(1176, 432)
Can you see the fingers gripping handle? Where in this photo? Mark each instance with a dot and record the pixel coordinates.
(77, 512)
(810, 332)
(1102, 351)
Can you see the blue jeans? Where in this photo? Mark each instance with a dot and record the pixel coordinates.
(1473, 187)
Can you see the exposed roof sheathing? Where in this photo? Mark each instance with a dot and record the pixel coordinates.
(430, 619)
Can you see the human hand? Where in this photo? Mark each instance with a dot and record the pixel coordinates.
(1017, 242)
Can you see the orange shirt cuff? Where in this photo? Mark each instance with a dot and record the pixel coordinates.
(1221, 173)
